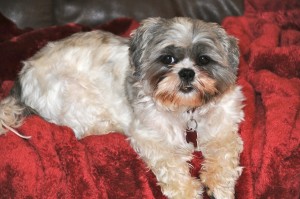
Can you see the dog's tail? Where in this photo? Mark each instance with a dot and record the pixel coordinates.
(12, 114)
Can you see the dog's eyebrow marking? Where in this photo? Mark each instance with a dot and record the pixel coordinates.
(176, 51)
(202, 46)
(210, 49)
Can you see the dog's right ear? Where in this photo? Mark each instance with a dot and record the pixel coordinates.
(140, 38)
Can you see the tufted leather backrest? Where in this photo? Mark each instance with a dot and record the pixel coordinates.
(42, 13)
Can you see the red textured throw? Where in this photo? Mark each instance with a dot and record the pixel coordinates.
(53, 164)
(269, 40)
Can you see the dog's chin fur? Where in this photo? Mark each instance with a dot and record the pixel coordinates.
(97, 82)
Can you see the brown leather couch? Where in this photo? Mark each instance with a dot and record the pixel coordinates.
(43, 13)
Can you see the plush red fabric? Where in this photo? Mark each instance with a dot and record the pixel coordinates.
(53, 164)
(269, 39)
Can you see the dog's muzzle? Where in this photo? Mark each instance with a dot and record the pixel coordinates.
(187, 77)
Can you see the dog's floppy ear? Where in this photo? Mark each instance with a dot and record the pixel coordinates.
(142, 37)
(230, 44)
(233, 53)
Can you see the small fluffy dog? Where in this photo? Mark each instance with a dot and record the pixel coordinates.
(172, 77)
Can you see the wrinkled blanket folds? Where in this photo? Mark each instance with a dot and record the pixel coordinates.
(53, 164)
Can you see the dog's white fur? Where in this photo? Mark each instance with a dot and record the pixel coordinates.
(80, 82)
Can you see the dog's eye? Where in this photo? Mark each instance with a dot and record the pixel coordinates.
(203, 60)
(168, 59)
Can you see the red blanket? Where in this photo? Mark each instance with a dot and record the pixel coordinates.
(53, 164)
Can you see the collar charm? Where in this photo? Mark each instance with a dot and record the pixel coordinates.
(191, 132)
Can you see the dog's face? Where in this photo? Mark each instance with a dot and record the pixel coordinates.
(183, 63)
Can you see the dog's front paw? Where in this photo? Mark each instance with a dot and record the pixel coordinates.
(217, 188)
(187, 189)
(219, 193)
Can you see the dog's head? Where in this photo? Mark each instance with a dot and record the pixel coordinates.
(183, 63)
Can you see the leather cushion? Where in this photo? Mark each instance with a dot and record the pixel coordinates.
(37, 13)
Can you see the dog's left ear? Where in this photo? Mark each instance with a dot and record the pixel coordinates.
(233, 52)
(142, 37)
(230, 45)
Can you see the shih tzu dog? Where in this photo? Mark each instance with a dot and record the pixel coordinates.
(171, 78)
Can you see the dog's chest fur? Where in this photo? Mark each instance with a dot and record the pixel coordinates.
(212, 119)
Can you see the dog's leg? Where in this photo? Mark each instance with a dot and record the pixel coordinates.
(221, 168)
(169, 164)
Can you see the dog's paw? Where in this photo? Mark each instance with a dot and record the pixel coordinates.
(190, 189)
(220, 194)
(217, 194)
(216, 188)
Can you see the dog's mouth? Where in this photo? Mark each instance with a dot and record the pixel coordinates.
(186, 88)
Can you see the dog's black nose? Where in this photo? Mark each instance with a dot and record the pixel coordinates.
(187, 74)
